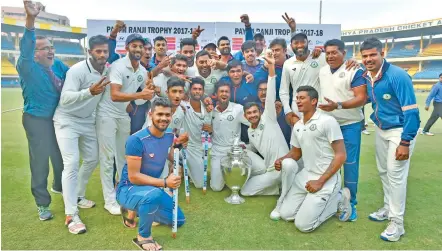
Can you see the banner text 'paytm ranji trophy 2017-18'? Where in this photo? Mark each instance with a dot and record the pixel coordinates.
(317, 34)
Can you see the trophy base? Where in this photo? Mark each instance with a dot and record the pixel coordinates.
(234, 199)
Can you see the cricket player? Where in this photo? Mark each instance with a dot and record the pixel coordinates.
(396, 117)
(250, 63)
(316, 192)
(345, 93)
(178, 66)
(300, 70)
(211, 70)
(226, 120)
(436, 94)
(141, 188)
(112, 122)
(197, 118)
(267, 139)
(74, 123)
(160, 49)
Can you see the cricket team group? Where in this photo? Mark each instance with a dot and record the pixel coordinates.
(299, 119)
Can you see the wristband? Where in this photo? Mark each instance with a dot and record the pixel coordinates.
(165, 183)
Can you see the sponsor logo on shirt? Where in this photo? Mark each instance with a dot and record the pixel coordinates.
(230, 118)
(312, 127)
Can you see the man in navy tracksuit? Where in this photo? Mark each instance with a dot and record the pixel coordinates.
(436, 94)
(396, 117)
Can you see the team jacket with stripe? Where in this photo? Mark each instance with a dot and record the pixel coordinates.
(393, 101)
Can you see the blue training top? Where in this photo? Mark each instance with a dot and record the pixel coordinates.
(152, 150)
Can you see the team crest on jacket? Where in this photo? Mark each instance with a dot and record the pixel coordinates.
(387, 96)
(176, 121)
(342, 74)
(140, 78)
(151, 155)
(230, 118)
(312, 127)
(314, 64)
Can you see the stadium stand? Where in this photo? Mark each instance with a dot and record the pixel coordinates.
(64, 47)
(8, 69)
(434, 49)
(431, 70)
(404, 49)
(410, 68)
(349, 50)
(70, 62)
(7, 43)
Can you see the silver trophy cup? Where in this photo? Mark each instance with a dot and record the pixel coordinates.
(236, 169)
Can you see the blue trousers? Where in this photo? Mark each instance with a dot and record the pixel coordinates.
(151, 203)
(352, 141)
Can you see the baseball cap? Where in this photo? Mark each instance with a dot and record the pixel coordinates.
(147, 41)
(258, 35)
(135, 37)
(299, 36)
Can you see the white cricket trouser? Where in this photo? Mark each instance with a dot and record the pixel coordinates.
(195, 163)
(393, 173)
(112, 134)
(75, 137)
(269, 182)
(309, 210)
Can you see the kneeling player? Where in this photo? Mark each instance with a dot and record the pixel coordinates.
(266, 137)
(316, 192)
(140, 188)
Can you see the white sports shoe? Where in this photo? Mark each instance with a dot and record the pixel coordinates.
(380, 215)
(275, 215)
(393, 232)
(113, 208)
(75, 225)
(428, 133)
(344, 205)
(85, 203)
(366, 132)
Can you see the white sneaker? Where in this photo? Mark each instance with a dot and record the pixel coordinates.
(75, 225)
(380, 215)
(366, 132)
(113, 208)
(85, 203)
(428, 133)
(55, 191)
(393, 232)
(344, 205)
(275, 215)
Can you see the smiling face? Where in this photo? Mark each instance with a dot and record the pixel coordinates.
(372, 59)
(135, 50)
(202, 65)
(249, 55)
(300, 47)
(304, 102)
(99, 54)
(334, 57)
(44, 52)
(161, 47)
(253, 115)
(235, 74)
(223, 95)
(189, 52)
(161, 117)
(180, 67)
(196, 92)
(224, 47)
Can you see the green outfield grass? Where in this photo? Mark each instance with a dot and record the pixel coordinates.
(213, 224)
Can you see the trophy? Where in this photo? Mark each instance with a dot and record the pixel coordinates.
(236, 168)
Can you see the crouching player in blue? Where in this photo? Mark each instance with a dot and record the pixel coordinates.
(396, 117)
(141, 189)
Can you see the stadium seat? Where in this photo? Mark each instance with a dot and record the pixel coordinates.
(434, 49)
(404, 49)
(349, 50)
(430, 70)
(7, 43)
(64, 47)
(70, 62)
(8, 69)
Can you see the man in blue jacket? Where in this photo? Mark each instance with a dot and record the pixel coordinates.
(396, 117)
(436, 94)
(41, 79)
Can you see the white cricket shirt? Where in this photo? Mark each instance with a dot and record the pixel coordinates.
(315, 138)
(193, 123)
(211, 80)
(298, 73)
(226, 125)
(76, 100)
(175, 124)
(267, 138)
(121, 73)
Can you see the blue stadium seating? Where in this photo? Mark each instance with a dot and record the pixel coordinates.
(10, 82)
(7, 43)
(64, 47)
(430, 70)
(404, 49)
(349, 50)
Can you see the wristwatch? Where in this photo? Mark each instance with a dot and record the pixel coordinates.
(339, 105)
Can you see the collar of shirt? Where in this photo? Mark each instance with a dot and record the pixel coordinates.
(129, 64)
(92, 69)
(315, 116)
(229, 108)
(377, 74)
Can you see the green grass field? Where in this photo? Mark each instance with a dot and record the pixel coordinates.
(213, 224)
